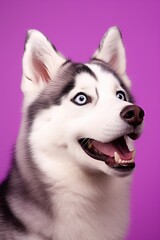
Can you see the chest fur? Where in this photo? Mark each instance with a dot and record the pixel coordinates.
(90, 213)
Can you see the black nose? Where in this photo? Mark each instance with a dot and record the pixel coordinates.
(133, 115)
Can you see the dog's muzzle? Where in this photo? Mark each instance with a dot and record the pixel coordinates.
(116, 153)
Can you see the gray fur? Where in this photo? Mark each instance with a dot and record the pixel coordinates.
(28, 204)
(56, 89)
(27, 191)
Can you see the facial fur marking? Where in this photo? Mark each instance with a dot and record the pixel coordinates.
(97, 93)
(83, 68)
(105, 67)
(55, 90)
(67, 88)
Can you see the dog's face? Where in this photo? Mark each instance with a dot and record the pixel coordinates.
(80, 114)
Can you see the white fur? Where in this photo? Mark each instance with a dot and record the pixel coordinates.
(90, 201)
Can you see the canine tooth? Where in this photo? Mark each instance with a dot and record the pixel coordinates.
(116, 157)
(133, 154)
(119, 161)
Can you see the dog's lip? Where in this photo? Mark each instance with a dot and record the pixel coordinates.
(134, 135)
(115, 154)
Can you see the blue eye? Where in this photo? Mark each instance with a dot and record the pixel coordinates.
(81, 99)
(121, 95)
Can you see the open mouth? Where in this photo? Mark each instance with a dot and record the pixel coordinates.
(115, 154)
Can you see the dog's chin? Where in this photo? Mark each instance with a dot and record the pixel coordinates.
(115, 154)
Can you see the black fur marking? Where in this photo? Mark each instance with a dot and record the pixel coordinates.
(106, 67)
(83, 68)
(57, 89)
(17, 189)
(26, 40)
(7, 215)
(66, 62)
(67, 88)
(55, 49)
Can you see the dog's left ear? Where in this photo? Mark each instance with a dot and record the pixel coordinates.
(111, 51)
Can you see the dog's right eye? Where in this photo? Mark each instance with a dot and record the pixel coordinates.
(121, 95)
(81, 99)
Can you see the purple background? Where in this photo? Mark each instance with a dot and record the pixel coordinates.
(76, 27)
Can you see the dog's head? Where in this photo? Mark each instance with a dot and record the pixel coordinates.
(80, 114)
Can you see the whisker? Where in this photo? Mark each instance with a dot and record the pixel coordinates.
(85, 142)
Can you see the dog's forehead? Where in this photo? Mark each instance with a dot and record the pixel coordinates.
(96, 77)
(86, 73)
(103, 76)
(100, 74)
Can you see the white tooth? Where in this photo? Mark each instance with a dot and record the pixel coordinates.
(116, 157)
(133, 154)
(119, 161)
(126, 161)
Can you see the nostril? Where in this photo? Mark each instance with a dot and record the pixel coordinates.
(141, 114)
(129, 115)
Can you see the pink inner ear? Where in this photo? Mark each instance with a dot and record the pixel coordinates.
(113, 61)
(41, 70)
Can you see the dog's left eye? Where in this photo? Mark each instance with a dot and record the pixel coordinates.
(121, 95)
(81, 99)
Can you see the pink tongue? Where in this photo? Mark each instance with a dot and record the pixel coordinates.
(118, 146)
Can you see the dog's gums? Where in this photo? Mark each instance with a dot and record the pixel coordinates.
(115, 154)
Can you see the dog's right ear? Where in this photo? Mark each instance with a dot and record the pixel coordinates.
(41, 62)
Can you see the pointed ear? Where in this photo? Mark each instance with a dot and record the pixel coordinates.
(111, 51)
(41, 62)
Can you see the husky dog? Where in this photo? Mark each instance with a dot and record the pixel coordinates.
(74, 156)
